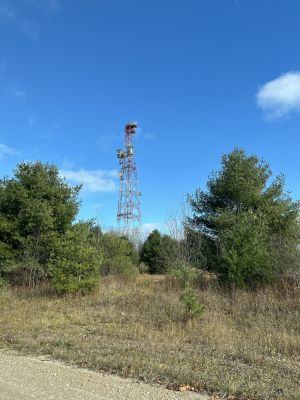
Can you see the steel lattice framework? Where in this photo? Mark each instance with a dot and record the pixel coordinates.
(129, 212)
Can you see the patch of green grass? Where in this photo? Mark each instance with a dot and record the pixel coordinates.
(246, 344)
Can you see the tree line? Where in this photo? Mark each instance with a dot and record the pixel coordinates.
(244, 227)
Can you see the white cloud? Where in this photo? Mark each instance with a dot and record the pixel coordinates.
(280, 97)
(6, 151)
(92, 181)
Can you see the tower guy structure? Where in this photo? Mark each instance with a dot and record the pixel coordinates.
(129, 211)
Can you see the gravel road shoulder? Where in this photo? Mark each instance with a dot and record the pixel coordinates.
(38, 378)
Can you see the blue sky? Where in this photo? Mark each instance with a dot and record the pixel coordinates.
(200, 77)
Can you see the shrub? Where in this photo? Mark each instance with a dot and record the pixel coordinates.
(143, 268)
(159, 252)
(75, 263)
(191, 302)
(187, 275)
(26, 272)
(6, 261)
(119, 255)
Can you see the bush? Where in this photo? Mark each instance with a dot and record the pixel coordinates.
(75, 263)
(3, 284)
(192, 304)
(143, 268)
(159, 252)
(187, 275)
(27, 272)
(6, 261)
(119, 255)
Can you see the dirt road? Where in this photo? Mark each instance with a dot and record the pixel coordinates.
(39, 378)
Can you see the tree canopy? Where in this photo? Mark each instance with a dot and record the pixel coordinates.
(37, 199)
(36, 206)
(250, 224)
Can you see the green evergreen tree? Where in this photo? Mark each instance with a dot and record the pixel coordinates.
(75, 260)
(158, 252)
(36, 207)
(249, 227)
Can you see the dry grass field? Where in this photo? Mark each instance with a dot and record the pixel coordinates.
(245, 346)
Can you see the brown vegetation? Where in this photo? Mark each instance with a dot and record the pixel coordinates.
(246, 344)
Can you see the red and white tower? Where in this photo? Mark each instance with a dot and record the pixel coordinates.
(129, 212)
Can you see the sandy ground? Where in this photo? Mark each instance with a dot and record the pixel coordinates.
(39, 378)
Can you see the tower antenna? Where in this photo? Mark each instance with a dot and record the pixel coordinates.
(129, 211)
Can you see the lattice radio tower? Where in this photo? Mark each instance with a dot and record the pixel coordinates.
(129, 212)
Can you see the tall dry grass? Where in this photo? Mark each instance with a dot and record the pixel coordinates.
(247, 344)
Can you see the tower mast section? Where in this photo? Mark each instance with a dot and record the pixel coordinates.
(129, 211)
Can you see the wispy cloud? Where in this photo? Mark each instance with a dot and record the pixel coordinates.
(280, 97)
(29, 28)
(237, 3)
(92, 181)
(53, 5)
(21, 14)
(12, 91)
(9, 89)
(6, 151)
(7, 9)
(19, 94)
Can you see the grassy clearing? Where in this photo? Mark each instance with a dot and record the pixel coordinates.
(246, 345)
